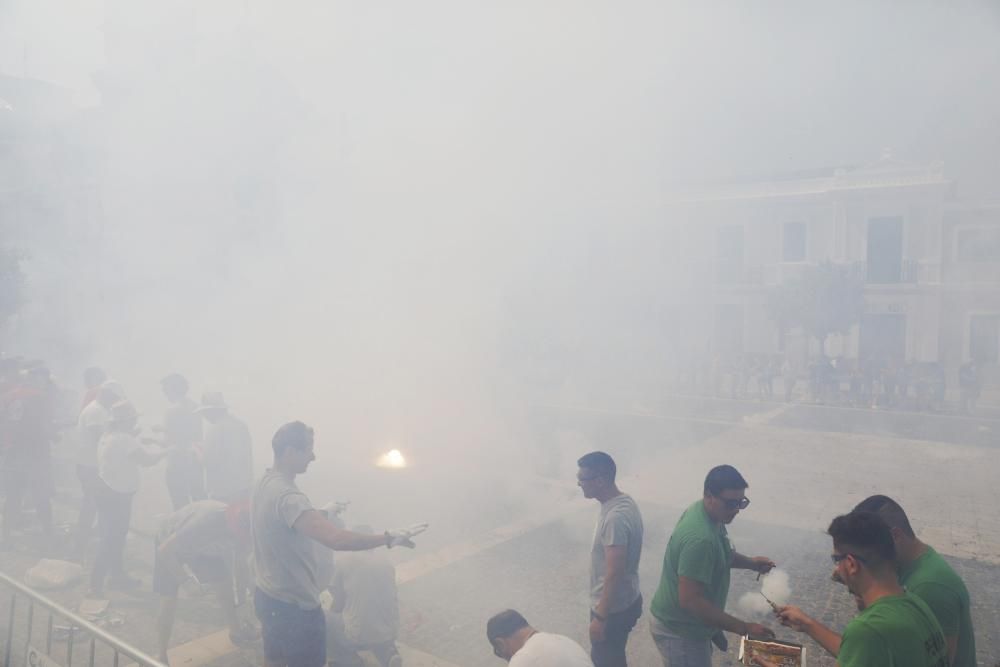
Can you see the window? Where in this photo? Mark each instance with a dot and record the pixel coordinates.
(885, 250)
(794, 241)
(978, 244)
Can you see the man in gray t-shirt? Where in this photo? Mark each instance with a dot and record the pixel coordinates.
(615, 600)
(285, 525)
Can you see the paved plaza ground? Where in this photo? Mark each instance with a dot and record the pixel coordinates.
(805, 464)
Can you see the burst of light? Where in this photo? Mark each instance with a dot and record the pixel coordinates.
(391, 459)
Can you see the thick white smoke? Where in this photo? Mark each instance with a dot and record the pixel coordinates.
(775, 586)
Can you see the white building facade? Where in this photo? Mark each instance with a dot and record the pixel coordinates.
(930, 264)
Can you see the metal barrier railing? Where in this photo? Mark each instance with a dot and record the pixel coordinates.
(101, 648)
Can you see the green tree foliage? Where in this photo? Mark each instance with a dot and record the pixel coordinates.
(822, 300)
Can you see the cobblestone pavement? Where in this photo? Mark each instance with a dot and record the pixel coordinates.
(803, 470)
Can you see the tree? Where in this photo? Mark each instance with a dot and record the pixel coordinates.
(822, 300)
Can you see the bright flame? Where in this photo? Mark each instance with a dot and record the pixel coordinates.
(391, 459)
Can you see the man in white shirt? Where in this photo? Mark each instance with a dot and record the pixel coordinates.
(90, 428)
(521, 645)
(119, 457)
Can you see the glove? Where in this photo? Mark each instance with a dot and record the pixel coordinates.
(401, 537)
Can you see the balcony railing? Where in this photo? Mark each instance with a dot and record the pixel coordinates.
(911, 271)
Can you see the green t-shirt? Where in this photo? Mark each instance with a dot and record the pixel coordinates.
(932, 580)
(895, 631)
(698, 549)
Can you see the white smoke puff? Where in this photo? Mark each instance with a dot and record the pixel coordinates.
(752, 604)
(776, 587)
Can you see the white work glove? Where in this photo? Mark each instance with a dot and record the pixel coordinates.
(335, 507)
(401, 537)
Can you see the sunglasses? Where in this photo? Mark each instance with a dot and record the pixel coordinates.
(735, 503)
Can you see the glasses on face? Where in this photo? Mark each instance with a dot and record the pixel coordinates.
(836, 558)
(735, 503)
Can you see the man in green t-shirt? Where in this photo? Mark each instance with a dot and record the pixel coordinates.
(689, 606)
(925, 574)
(894, 628)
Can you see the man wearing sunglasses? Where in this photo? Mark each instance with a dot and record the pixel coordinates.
(689, 606)
(924, 573)
(893, 627)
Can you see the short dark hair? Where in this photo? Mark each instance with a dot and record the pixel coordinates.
(889, 510)
(723, 477)
(600, 463)
(295, 435)
(504, 624)
(866, 534)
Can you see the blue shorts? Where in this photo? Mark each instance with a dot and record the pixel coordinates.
(292, 636)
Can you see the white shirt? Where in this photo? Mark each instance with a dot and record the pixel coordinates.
(115, 464)
(90, 427)
(544, 649)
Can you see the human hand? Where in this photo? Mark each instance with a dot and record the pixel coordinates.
(762, 564)
(597, 627)
(401, 537)
(794, 618)
(758, 630)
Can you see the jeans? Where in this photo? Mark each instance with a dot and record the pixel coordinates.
(611, 651)
(114, 513)
(292, 636)
(90, 485)
(679, 651)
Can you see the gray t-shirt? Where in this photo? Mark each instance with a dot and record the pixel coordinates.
(198, 529)
(286, 562)
(620, 524)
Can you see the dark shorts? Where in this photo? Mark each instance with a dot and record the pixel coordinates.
(208, 570)
(291, 635)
